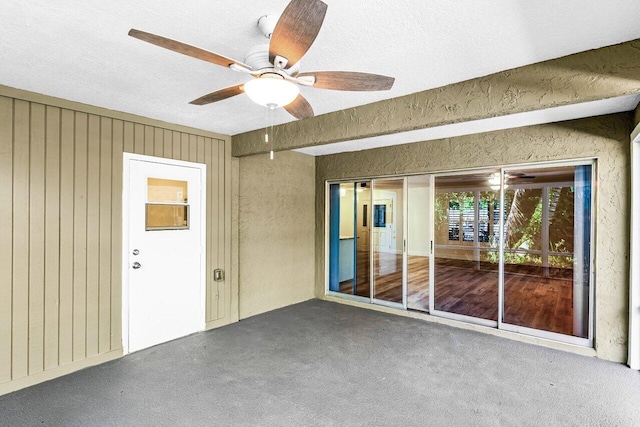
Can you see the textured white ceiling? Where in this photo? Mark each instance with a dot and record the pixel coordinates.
(79, 49)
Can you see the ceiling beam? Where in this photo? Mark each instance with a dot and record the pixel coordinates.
(597, 74)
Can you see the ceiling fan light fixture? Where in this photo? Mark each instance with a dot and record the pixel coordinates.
(495, 180)
(272, 92)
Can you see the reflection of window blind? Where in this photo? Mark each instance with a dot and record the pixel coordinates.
(454, 221)
(483, 221)
(468, 218)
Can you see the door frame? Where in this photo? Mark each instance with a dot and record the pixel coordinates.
(432, 261)
(126, 159)
(536, 334)
(634, 269)
(377, 301)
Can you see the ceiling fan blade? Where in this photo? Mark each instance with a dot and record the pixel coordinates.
(352, 81)
(300, 108)
(296, 30)
(520, 176)
(185, 49)
(219, 95)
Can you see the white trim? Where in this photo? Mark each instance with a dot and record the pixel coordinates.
(350, 297)
(583, 342)
(501, 249)
(405, 243)
(593, 253)
(372, 269)
(432, 237)
(126, 159)
(327, 242)
(463, 318)
(635, 135)
(634, 256)
(389, 304)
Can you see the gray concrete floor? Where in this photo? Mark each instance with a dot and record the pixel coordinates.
(321, 363)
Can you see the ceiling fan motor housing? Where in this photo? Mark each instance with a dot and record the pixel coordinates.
(258, 59)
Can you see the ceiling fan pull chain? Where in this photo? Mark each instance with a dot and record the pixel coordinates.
(266, 127)
(271, 112)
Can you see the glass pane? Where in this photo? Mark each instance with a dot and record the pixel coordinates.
(418, 242)
(350, 222)
(387, 239)
(167, 217)
(343, 233)
(466, 243)
(547, 249)
(363, 238)
(166, 190)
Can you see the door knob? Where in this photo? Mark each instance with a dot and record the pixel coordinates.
(136, 265)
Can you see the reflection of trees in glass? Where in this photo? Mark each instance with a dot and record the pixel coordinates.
(561, 213)
(523, 213)
(524, 218)
(523, 225)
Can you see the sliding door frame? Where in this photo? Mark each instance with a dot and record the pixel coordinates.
(432, 284)
(634, 268)
(584, 342)
(327, 244)
(403, 304)
(634, 350)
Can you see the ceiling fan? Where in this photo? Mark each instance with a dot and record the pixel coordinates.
(275, 66)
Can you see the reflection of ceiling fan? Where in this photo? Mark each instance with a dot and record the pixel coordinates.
(519, 176)
(275, 66)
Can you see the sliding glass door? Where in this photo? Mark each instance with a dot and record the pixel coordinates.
(466, 250)
(503, 247)
(388, 240)
(419, 213)
(547, 254)
(349, 240)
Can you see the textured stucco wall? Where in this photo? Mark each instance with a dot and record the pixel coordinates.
(605, 138)
(587, 76)
(276, 231)
(235, 222)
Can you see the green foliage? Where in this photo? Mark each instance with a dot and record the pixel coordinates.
(523, 222)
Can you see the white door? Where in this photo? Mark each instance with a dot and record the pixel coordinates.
(165, 252)
(384, 236)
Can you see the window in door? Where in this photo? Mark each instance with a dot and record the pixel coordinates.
(167, 206)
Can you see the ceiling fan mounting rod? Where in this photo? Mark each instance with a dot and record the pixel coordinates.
(267, 23)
